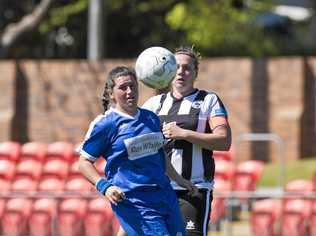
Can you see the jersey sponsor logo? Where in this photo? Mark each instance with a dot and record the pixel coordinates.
(143, 145)
(197, 104)
(190, 225)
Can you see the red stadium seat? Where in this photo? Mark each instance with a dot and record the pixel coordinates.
(2, 206)
(299, 186)
(76, 155)
(74, 170)
(314, 181)
(313, 219)
(265, 215)
(224, 170)
(15, 217)
(55, 167)
(225, 155)
(78, 184)
(100, 220)
(10, 151)
(34, 151)
(70, 217)
(51, 184)
(222, 187)
(24, 184)
(297, 209)
(5, 185)
(7, 169)
(60, 150)
(41, 222)
(296, 216)
(247, 175)
(29, 167)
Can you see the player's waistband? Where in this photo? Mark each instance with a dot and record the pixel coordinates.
(200, 185)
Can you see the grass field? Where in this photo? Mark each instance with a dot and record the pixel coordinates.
(302, 169)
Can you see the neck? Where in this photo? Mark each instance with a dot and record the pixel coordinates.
(180, 94)
(130, 112)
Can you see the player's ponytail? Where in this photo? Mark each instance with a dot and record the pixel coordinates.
(105, 98)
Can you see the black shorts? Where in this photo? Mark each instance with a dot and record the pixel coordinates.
(195, 211)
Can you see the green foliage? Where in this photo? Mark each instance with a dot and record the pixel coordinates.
(60, 15)
(215, 27)
(219, 28)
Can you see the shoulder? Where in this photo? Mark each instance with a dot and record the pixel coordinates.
(146, 112)
(149, 115)
(103, 122)
(154, 102)
(213, 104)
(209, 96)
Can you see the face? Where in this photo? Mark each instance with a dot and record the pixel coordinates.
(185, 75)
(125, 94)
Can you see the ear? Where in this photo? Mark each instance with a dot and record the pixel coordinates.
(195, 74)
(111, 95)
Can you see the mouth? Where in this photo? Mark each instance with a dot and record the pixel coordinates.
(179, 79)
(130, 99)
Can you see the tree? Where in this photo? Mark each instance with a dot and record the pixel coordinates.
(29, 22)
(215, 27)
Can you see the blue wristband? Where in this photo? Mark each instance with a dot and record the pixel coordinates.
(102, 185)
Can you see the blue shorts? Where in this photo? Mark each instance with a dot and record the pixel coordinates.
(155, 213)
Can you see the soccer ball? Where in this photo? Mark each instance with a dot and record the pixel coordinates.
(156, 67)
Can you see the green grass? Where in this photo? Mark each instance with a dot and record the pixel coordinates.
(301, 169)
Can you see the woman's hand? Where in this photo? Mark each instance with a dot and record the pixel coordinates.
(193, 190)
(114, 194)
(172, 131)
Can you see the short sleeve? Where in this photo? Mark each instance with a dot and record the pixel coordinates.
(96, 140)
(217, 107)
(153, 103)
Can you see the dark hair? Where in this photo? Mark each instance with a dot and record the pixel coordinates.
(189, 51)
(110, 83)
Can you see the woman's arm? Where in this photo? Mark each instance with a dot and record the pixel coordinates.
(219, 139)
(113, 193)
(88, 170)
(173, 174)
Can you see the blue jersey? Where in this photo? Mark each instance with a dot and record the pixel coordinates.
(132, 147)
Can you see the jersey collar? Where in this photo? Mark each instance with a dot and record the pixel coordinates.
(177, 99)
(124, 114)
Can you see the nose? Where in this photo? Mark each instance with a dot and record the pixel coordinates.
(129, 89)
(179, 70)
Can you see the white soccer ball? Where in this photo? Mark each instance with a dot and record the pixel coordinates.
(156, 67)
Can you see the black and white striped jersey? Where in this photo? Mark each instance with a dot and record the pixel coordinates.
(191, 112)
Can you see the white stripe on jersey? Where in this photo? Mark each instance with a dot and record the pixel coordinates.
(186, 104)
(208, 106)
(176, 159)
(166, 105)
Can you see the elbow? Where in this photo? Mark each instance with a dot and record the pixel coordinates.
(82, 163)
(80, 166)
(227, 141)
(225, 144)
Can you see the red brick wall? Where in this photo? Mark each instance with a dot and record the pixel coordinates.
(56, 100)
(7, 105)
